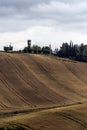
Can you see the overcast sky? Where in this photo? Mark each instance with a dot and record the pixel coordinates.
(43, 21)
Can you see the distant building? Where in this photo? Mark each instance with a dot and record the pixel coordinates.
(8, 48)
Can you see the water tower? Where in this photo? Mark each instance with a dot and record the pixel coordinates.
(29, 43)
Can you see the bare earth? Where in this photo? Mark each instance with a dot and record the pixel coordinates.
(42, 92)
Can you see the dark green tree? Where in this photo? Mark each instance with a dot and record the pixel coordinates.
(46, 50)
(36, 49)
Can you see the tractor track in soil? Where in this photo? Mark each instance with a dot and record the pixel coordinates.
(74, 119)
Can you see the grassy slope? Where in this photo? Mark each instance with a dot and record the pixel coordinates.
(36, 80)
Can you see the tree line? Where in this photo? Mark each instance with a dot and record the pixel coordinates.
(37, 49)
(67, 50)
(72, 51)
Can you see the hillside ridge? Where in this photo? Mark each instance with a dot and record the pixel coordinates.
(28, 80)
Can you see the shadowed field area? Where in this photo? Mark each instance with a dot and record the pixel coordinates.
(31, 83)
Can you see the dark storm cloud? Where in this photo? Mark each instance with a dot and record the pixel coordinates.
(65, 13)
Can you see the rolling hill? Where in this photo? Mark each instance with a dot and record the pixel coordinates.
(37, 80)
(39, 92)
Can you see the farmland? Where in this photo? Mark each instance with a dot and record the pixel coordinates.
(40, 92)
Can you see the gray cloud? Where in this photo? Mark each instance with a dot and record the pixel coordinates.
(17, 15)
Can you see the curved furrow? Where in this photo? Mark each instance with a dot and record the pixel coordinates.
(74, 119)
(36, 80)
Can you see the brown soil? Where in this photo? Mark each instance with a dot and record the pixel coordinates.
(36, 80)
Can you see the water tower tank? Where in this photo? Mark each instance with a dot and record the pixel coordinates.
(29, 43)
